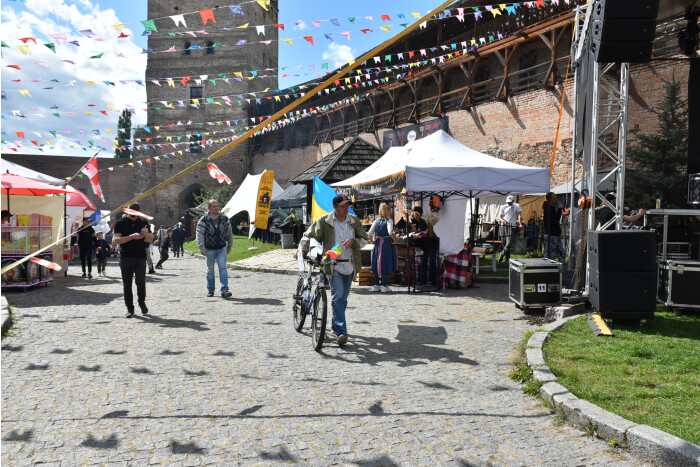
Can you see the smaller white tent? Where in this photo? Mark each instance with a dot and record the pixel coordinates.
(246, 197)
(7, 166)
(439, 163)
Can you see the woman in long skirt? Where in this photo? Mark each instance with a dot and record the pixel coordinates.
(384, 258)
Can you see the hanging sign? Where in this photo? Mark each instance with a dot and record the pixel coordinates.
(262, 207)
(391, 185)
(404, 135)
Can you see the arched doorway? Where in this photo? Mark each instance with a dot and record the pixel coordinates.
(187, 201)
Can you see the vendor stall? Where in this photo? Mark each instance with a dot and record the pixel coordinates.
(36, 222)
(439, 166)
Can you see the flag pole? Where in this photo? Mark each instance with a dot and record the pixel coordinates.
(81, 168)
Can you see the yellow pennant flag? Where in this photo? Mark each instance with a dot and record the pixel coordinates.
(277, 98)
(288, 41)
(25, 92)
(87, 112)
(118, 26)
(195, 101)
(157, 128)
(264, 3)
(169, 138)
(416, 14)
(112, 106)
(238, 73)
(179, 152)
(385, 28)
(24, 49)
(171, 83)
(495, 12)
(90, 83)
(243, 26)
(108, 130)
(116, 141)
(131, 164)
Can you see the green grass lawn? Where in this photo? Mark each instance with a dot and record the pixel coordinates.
(240, 248)
(649, 375)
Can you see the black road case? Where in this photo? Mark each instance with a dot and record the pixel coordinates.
(679, 283)
(535, 282)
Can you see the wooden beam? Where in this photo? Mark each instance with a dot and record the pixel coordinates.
(415, 86)
(437, 108)
(469, 70)
(503, 88)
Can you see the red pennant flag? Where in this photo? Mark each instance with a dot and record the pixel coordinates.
(207, 15)
(310, 39)
(148, 140)
(92, 172)
(540, 4)
(365, 30)
(386, 18)
(27, 39)
(216, 173)
(185, 79)
(133, 212)
(36, 143)
(46, 263)
(281, 26)
(122, 35)
(411, 54)
(148, 160)
(262, 118)
(14, 66)
(103, 112)
(20, 134)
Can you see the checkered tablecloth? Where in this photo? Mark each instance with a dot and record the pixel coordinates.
(456, 268)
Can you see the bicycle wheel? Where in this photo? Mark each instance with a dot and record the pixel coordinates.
(299, 306)
(318, 319)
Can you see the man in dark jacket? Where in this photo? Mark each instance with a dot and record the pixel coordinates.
(163, 246)
(215, 239)
(178, 240)
(86, 244)
(553, 211)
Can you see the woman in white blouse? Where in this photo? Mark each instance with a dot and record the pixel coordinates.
(384, 258)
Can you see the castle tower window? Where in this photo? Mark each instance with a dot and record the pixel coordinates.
(187, 50)
(195, 144)
(210, 48)
(196, 92)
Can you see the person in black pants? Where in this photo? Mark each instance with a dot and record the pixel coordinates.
(132, 233)
(163, 246)
(178, 238)
(87, 242)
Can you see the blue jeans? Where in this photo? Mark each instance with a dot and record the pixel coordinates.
(554, 246)
(340, 288)
(218, 256)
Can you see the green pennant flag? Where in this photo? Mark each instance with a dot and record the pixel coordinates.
(158, 109)
(387, 58)
(149, 24)
(405, 25)
(213, 81)
(171, 34)
(56, 114)
(222, 75)
(51, 46)
(210, 100)
(3, 44)
(218, 45)
(53, 133)
(55, 80)
(352, 20)
(92, 143)
(325, 65)
(239, 103)
(491, 38)
(179, 138)
(121, 166)
(98, 55)
(80, 176)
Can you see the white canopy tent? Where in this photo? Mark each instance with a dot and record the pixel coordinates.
(440, 164)
(8, 166)
(246, 197)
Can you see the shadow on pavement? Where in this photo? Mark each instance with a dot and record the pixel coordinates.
(174, 323)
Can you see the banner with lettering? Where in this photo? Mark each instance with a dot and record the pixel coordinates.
(404, 135)
(262, 207)
(387, 186)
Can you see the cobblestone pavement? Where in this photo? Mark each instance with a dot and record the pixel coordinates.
(209, 381)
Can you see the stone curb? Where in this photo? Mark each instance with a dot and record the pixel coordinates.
(6, 320)
(650, 444)
(245, 267)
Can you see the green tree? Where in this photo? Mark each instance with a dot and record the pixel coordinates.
(659, 161)
(124, 136)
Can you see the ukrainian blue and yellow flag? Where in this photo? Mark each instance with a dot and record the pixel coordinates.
(322, 199)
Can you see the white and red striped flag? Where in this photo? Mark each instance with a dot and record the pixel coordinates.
(90, 169)
(46, 263)
(216, 173)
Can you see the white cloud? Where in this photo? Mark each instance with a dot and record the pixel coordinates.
(338, 53)
(300, 25)
(39, 20)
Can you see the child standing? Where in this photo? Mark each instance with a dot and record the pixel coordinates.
(163, 246)
(102, 249)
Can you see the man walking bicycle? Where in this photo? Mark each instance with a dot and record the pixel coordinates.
(215, 239)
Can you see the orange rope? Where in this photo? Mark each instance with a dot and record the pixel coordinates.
(561, 110)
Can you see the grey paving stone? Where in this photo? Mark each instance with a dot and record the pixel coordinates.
(535, 357)
(232, 383)
(556, 394)
(536, 341)
(661, 448)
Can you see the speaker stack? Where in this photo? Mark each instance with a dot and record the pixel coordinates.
(622, 273)
(623, 30)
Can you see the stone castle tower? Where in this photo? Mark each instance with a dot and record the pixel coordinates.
(202, 58)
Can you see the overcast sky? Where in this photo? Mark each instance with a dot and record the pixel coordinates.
(96, 26)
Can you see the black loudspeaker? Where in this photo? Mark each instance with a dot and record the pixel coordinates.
(623, 30)
(694, 189)
(630, 295)
(622, 250)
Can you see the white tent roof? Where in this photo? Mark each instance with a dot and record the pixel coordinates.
(17, 169)
(245, 198)
(440, 163)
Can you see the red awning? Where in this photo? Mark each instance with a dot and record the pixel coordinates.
(18, 185)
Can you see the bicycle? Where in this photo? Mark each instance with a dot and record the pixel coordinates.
(310, 298)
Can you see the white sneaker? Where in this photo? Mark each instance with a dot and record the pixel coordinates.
(385, 288)
(376, 288)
